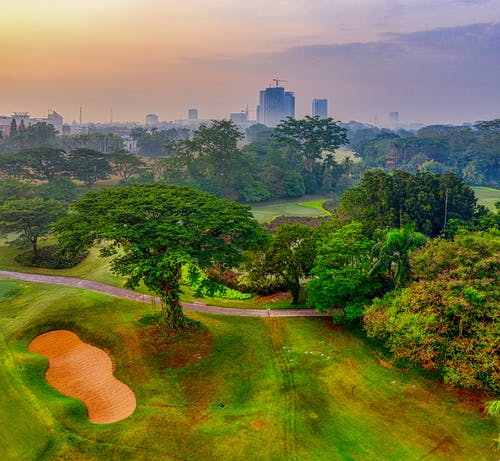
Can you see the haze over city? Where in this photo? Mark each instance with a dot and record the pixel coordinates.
(434, 61)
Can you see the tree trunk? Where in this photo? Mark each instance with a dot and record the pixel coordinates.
(295, 291)
(172, 314)
(35, 249)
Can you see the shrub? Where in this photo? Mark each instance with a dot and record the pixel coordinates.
(50, 257)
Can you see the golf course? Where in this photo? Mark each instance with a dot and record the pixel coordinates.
(238, 388)
(87, 374)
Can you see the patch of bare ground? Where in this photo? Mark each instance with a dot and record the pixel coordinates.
(180, 351)
(273, 298)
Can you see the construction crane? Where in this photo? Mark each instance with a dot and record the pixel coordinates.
(278, 80)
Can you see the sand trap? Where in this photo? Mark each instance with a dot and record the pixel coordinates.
(84, 372)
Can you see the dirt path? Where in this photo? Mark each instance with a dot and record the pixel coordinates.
(128, 294)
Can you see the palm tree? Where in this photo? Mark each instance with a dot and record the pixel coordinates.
(392, 253)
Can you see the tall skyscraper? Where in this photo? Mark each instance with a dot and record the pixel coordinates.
(275, 104)
(192, 114)
(320, 108)
(394, 117)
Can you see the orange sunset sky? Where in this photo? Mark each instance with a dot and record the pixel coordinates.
(433, 61)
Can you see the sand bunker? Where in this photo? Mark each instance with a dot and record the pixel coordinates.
(84, 372)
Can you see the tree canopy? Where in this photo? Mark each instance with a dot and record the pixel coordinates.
(88, 165)
(211, 159)
(31, 218)
(428, 201)
(284, 263)
(152, 230)
(310, 136)
(341, 272)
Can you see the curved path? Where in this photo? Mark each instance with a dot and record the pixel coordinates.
(128, 294)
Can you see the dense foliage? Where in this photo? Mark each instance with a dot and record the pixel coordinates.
(447, 320)
(27, 212)
(154, 142)
(342, 272)
(427, 201)
(284, 263)
(86, 165)
(282, 165)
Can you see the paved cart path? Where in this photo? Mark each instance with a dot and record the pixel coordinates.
(128, 294)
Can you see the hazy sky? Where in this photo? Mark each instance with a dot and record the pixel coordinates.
(431, 60)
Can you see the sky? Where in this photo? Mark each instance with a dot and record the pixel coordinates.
(434, 61)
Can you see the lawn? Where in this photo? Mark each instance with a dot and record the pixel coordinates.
(242, 388)
(487, 196)
(266, 212)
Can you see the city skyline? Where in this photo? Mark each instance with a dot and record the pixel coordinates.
(434, 61)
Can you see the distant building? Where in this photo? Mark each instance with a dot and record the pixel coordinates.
(275, 104)
(54, 119)
(240, 118)
(394, 117)
(130, 144)
(66, 130)
(5, 122)
(152, 119)
(22, 120)
(320, 108)
(192, 114)
(289, 104)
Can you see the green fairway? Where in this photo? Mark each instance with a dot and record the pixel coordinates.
(294, 207)
(487, 196)
(243, 388)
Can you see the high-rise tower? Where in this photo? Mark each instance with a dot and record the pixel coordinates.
(320, 108)
(275, 104)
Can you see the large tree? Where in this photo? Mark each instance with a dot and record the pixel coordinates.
(126, 164)
(341, 273)
(310, 137)
(31, 218)
(45, 163)
(211, 159)
(285, 262)
(88, 165)
(152, 230)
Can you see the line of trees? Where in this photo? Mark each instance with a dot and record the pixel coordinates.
(473, 152)
(86, 165)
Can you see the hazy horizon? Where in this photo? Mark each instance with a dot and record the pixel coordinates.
(433, 61)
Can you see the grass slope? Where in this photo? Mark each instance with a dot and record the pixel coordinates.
(257, 389)
(268, 211)
(487, 196)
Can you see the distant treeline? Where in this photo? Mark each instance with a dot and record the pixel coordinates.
(294, 159)
(472, 152)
